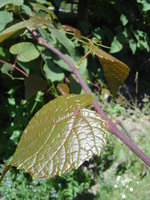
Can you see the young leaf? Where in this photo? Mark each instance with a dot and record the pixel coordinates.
(132, 45)
(60, 137)
(77, 33)
(116, 46)
(115, 71)
(63, 88)
(25, 51)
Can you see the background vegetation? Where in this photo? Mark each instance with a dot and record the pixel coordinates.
(120, 25)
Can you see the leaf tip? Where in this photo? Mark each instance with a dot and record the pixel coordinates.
(4, 171)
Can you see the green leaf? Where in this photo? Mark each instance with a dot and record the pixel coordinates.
(124, 19)
(33, 22)
(116, 46)
(132, 45)
(2, 52)
(6, 69)
(15, 2)
(5, 18)
(66, 42)
(26, 9)
(145, 4)
(25, 51)
(60, 137)
(61, 63)
(52, 72)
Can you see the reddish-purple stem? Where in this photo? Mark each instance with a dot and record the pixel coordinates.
(86, 55)
(112, 127)
(14, 66)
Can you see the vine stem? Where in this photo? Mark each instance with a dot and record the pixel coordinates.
(14, 66)
(112, 127)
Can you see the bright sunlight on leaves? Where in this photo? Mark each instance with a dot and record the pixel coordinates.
(25, 51)
(33, 22)
(115, 71)
(60, 137)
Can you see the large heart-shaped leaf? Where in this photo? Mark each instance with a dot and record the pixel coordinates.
(61, 136)
(25, 51)
(115, 71)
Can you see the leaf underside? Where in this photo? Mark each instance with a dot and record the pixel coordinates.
(115, 71)
(60, 137)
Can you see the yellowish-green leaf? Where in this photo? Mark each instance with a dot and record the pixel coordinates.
(38, 6)
(6, 2)
(25, 51)
(77, 33)
(115, 71)
(33, 22)
(60, 137)
(63, 88)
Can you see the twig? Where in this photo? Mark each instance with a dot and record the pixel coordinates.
(14, 66)
(112, 127)
(117, 121)
(136, 88)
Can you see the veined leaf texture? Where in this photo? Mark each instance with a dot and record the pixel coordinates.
(60, 137)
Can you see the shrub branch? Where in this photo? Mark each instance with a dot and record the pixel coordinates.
(112, 127)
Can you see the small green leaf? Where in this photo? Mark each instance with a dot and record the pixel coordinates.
(15, 2)
(145, 4)
(132, 45)
(116, 46)
(124, 19)
(2, 52)
(60, 137)
(26, 51)
(52, 72)
(26, 9)
(5, 18)
(5, 69)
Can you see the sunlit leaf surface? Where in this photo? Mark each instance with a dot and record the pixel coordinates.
(33, 22)
(6, 2)
(115, 71)
(61, 136)
(77, 33)
(25, 51)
